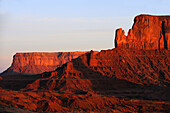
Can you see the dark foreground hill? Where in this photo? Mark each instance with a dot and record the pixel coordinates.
(125, 79)
(111, 80)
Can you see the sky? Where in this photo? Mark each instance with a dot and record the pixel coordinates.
(67, 25)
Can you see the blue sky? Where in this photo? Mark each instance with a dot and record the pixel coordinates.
(67, 25)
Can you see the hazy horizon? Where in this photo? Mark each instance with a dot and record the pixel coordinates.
(68, 25)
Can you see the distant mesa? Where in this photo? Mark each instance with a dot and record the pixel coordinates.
(148, 32)
(133, 77)
(39, 62)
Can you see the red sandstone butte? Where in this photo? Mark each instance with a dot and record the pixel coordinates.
(117, 80)
(39, 62)
(148, 32)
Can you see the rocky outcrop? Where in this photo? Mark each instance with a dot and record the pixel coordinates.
(148, 32)
(109, 69)
(117, 80)
(49, 102)
(120, 79)
(37, 62)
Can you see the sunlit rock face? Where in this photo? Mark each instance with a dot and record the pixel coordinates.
(148, 32)
(117, 80)
(35, 63)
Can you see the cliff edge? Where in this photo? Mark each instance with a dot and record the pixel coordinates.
(148, 32)
(39, 62)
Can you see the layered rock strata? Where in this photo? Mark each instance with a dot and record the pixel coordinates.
(148, 32)
(117, 80)
(39, 62)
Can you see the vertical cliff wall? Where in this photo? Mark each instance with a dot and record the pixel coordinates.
(35, 63)
(148, 32)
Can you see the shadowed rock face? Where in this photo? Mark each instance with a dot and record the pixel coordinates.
(35, 63)
(148, 32)
(117, 80)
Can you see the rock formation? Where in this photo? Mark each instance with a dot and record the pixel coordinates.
(148, 32)
(115, 80)
(120, 79)
(38, 62)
